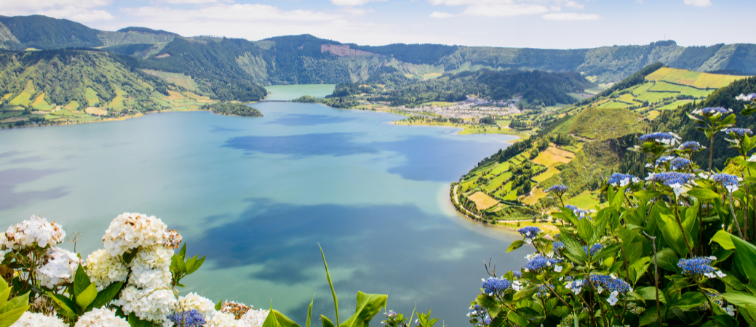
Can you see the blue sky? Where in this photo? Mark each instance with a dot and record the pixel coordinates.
(559, 24)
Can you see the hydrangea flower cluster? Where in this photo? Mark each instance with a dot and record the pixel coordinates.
(610, 283)
(593, 249)
(679, 164)
(222, 319)
(700, 266)
(561, 189)
(254, 317)
(104, 269)
(557, 246)
(674, 180)
(576, 286)
(730, 182)
(744, 97)
(711, 111)
(660, 137)
(147, 294)
(691, 146)
(493, 285)
(480, 314)
(35, 231)
(538, 262)
(188, 318)
(517, 274)
(101, 318)
(60, 267)
(544, 291)
(580, 213)
(661, 161)
(738, 132)
(197, 303)
(621, 180)
(29, 319)
(529, 232)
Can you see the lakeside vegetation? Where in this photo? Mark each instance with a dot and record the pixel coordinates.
(233, 109)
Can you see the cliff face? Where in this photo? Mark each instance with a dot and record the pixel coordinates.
(343, 51)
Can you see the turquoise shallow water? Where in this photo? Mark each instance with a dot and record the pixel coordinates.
(257, 195)
(290, 92)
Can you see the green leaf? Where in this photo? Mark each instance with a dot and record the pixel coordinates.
(514, 317)
(649, 293)
(515, 245)
(745, 254)
(81, 281)
(219, 305)
(723, 239)
(585, 230)
(326, 322)
(68, 308)
(16, 302)
(4, 295)
(182, 252)
(87, 296)
(197, 264)
(309, 312)
(330, 283)
(741, 299)
(703, 194)
(129, 255)
(690, 300)
(368, 305)
(667, 259)
(10, 317)
(672, 234)
(638, 268)
(573, 247)
(277, 319)
(104, 296)
(134, 321)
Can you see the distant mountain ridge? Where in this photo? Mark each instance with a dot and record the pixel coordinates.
(307, 59)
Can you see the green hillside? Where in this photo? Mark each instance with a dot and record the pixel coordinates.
(61, 86)
(43, 32)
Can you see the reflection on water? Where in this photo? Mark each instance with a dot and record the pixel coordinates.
(257, 195)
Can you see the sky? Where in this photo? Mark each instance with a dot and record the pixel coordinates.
(552, 24)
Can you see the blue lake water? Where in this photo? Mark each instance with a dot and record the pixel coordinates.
(257, 195)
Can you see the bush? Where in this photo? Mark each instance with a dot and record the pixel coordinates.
(672, 250)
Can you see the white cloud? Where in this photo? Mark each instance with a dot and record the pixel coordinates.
(437, 14)
(229, 13)
(356, 11)
(570, 16)
(506, 8)
(191, 2)
(698, 3)
(352, 2)
(76, 10)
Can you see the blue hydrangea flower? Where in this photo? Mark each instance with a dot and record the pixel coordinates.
(493, 286)
(576, 285)
(699, 266)
(679, 164)
(580, 213)
(738, 132)
(749, 97)
(691, 146)
(674, 180)
(621, 180)
(595, 248)
(610, 283)
(730, 182)
(539, 262)
(557, 189)
(517, 274)
(557, 246)
(487, 320)
(190, 318)
(529, 232)
(544, 291)
(711, 111)
(663, 160)
(660, 137)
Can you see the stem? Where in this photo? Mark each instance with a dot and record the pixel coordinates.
(735, 217)
(685, 236)
(656, 278)
(558, 297)
(711, 152)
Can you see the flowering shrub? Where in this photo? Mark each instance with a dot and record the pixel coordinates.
(674, 249)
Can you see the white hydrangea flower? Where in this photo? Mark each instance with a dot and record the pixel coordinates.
(101, 318)
(104, 269)
(131, 230)
(35, 230)
(146, 278)
(29, 319)
(153, 305)
(193, 301)
(154, 256)
(255, 318)
(221, 319)
(613, 298)
(60, 267)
